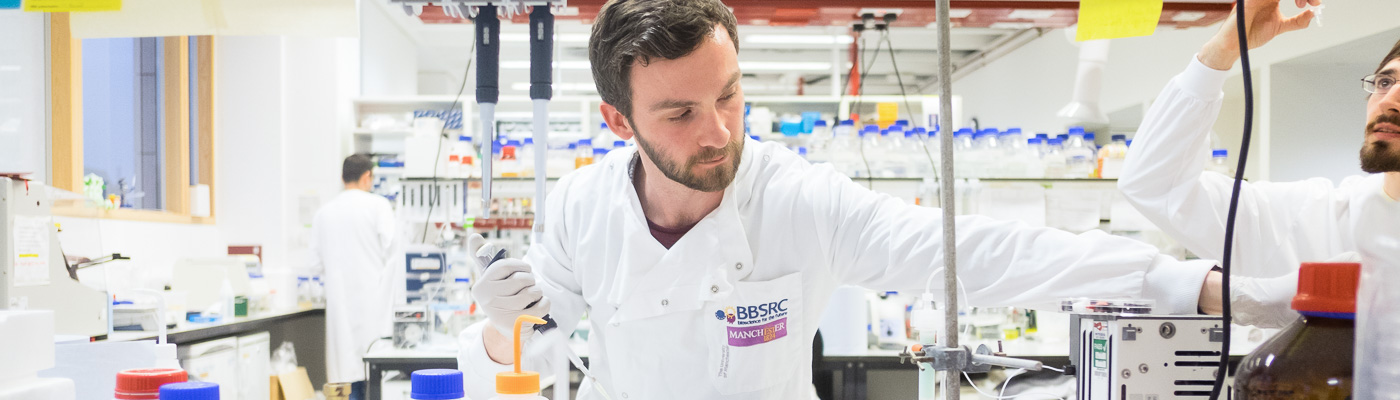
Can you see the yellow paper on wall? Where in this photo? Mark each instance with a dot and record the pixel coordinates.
(1112, 19)
(72, 5)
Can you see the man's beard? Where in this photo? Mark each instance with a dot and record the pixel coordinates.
(1380, 156)
(717, 179)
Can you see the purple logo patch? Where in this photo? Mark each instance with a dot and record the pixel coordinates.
(760, 334)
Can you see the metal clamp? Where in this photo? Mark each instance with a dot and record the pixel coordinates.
(964, 359)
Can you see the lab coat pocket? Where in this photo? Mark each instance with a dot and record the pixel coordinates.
(756, 338)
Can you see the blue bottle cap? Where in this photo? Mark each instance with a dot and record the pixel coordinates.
(963, 132)
(1089, 137)
(619, 143)
(847, 122)
(437, 384)
(820, 122)
(573, 146)
(515, 143)
(1119, 137)
(802, 151)
(1044, 136)
(755, 138)
(600, 151)
(1219, 153)
(603, 125)
(1076, 130)
(1057, 142)
(870, 129)
(190, 391)
(919, 130)
(585, 142)
(529, 141)
(464, 138)
(1013, 130)
(463, 280)
(1063, 136)
(1033, 141)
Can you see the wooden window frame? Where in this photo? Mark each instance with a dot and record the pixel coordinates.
(66, 96)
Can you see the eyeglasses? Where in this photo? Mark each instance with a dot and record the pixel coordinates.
(1378, 84)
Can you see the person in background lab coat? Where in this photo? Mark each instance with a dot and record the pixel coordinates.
(355, 243)
(704, 260)
(1279, 225)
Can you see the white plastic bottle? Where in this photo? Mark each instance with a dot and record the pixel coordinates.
(1220, 162)
(605, 135)
(843, 144)
(515, 385)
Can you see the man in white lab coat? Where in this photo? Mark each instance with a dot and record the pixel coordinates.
(1279, 225)
(704, 260)
(355, 244)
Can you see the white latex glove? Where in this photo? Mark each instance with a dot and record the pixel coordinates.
(506, 290)
(1267, 302)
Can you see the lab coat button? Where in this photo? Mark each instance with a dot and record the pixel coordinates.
(624, 395)
(615, 324)
(714, 289)
(739, 266)
(665, 302)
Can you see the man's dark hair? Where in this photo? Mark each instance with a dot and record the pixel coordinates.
(355, 167)
(628, 31)
(1394, 53)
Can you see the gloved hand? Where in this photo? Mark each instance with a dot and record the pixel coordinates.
(1266, 302)
(1263, 302)
(505, 290)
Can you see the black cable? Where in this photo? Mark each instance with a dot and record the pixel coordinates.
(860, 91)
(908, 109)
(1234, 201)
(443, 135)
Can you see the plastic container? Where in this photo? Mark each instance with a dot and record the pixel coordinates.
(509, 166)
(1080, 160)
(1312, 358)
(437, 384)
(583, 154)
(190, 391)
(1220, 162)
(514, 385)
(1112, 156)
(145, 384)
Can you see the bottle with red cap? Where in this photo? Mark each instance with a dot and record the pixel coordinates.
(144, 384)
(1311, 358)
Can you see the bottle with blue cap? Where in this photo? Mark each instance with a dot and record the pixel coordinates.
(1079, 159)
(437, 384)
(1220, 162)
(190, 391)
(1112, 156)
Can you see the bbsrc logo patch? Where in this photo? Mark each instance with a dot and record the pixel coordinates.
(757, 324)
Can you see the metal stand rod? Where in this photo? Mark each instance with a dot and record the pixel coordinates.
(952, 379)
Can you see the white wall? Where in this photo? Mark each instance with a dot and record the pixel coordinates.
(1026, 87)
(280, 105)
(389, 55)
(23, 118)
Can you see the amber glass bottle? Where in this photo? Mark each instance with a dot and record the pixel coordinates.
(1311, 358)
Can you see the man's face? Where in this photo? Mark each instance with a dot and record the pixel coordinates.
(688, 114)
(1381, 153)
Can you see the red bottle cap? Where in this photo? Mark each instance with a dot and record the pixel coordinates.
(144, 384)
(1327, 287)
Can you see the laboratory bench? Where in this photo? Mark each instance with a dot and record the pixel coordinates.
(305, 328)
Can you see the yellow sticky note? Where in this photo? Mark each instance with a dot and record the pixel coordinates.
(1112, 19)
(72, 5)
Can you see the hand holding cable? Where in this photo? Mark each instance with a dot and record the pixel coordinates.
(1263, 22)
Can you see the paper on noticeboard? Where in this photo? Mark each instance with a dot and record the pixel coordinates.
(31, 244)
(72, 5)
(1112, 19)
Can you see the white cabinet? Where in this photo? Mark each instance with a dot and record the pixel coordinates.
(214, 361)
(254, 366)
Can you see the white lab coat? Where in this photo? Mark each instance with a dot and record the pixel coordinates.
(1279, 225)
(355, 243)
(731, 310)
